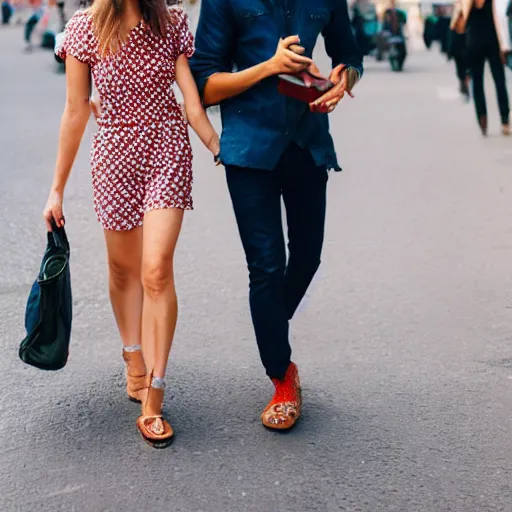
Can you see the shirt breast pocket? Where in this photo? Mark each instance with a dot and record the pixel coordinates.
(253, 14)
(254, 23)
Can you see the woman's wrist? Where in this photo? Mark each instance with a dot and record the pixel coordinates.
(57, 188)
(213, 144)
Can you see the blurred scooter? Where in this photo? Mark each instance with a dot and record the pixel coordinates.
(393, 33)
(397, 52)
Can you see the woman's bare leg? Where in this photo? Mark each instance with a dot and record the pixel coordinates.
(124, 250)
(160, 305)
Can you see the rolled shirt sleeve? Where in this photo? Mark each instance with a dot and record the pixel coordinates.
(340, 43)
(214, 42)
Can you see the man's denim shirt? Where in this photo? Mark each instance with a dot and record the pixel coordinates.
(259, 124)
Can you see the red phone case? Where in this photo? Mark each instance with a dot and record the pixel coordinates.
(294, 86)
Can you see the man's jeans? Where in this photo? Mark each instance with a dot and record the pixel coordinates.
(277, 286)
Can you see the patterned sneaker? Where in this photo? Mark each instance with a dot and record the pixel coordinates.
(284, 409)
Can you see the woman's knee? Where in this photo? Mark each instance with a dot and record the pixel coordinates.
(123, 274)
(157, 277)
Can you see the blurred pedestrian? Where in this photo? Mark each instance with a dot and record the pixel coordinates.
(458, 50)
(485, 43)
(61, 7)
(37, 8)
(274, 148)
(7, 12)
(141, 172)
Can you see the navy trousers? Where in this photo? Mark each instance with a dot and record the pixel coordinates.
(277, 281)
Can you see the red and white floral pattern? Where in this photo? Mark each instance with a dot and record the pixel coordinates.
(141, 156)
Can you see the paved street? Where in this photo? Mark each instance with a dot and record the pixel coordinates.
(404, 342)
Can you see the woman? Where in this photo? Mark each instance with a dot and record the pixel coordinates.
(482, 22)
(141, 172)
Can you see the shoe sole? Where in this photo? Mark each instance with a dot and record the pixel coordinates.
(158, 445)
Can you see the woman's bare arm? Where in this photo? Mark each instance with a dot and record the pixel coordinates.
(73, 123)
(196, 114)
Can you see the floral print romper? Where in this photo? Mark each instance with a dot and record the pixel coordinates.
(141, 156)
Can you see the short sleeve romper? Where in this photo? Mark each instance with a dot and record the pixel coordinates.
(141, 156)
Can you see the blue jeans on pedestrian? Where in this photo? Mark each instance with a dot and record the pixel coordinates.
(278, 284)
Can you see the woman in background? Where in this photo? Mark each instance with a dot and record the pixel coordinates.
(486, 42)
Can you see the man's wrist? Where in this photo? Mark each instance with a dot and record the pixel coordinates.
(356, 72)
(352, 76)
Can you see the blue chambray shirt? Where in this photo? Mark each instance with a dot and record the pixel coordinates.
(260, 124)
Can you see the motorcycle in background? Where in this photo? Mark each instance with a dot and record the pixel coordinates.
(397, 52)
(392, 37)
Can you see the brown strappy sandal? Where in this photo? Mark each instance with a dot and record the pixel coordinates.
(135, 374)
(153, 427)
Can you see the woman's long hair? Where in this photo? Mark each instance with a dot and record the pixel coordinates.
(107, 16)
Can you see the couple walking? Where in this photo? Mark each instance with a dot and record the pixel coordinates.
(272, 147)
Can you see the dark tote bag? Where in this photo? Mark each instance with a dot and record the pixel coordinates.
(49, 308)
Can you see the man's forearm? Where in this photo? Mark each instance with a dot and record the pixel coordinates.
(222, 86)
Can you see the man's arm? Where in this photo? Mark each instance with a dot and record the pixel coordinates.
(214, 44)
(212, 62)
(340, 43)
(347, 59)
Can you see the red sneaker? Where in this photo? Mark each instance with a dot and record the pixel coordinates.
(284, 409)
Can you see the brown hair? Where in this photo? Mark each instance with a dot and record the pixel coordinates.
(107, 16)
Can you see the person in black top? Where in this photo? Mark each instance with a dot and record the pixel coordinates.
(484, 45)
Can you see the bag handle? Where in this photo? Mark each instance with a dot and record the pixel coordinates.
(57, 237)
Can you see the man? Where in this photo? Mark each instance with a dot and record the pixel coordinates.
(272, 147)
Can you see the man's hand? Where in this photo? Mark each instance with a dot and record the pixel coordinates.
(286, 60)
(344, 80)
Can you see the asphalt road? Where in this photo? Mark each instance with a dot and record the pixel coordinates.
(404, 342)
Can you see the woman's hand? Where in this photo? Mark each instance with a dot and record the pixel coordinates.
(214, 147)
(53, 210)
